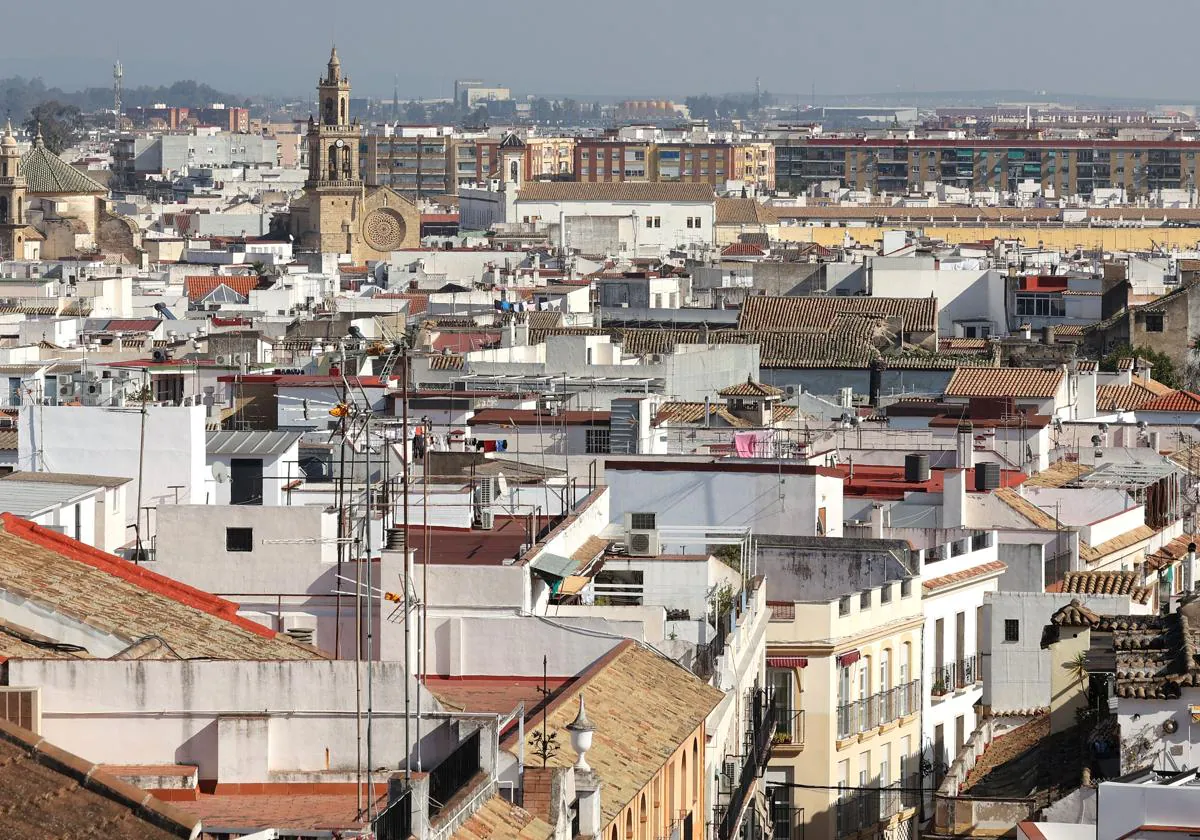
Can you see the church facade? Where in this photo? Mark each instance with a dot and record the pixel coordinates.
(338, 213)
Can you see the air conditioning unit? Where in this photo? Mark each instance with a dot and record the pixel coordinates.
(66, 387)
(643, 543)
(221, 359)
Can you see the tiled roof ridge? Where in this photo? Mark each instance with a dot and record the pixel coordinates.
(132, 573)
(100, 781)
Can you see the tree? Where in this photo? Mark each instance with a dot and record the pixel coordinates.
(59, 124)
(1162, 366)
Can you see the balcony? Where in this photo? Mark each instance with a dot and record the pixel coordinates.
(757, 752)
(865, 809)
(955, 676)
(789, 729)
(878, 709)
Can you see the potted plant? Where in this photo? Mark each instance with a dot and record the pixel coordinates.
(939, 687)
(781, 737)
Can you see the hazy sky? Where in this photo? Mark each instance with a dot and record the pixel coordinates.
(619, 47)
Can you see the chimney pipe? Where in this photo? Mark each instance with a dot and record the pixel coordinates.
(877, 367)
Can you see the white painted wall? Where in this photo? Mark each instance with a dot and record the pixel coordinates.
(105, 441)
(770, 502)
(279, 470)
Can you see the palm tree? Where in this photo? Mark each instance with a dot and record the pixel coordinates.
(1078, 668)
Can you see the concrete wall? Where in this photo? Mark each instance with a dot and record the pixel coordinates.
(961, 295)
(167, 712)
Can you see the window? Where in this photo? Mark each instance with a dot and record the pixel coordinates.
(1154, 322)
(641, 521)
(597, 441)
(885, 670)
(1012, 630)
(864, 600)
(689, 221)
(1040, 305)
(864, 678)
(239, 539)
(654, 221)
(905, 655)
(905, 587)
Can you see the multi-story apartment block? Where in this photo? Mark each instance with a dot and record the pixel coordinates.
(1061, 167)
(644, 160)
(471, 160)
(844, 664)
(413, 160)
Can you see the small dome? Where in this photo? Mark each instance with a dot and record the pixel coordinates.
(8, 141)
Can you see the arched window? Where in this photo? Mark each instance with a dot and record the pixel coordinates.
(614, 833)
(885, 669)
(643, 817)
(695, 769)
(684, 781)
(629, 824)
(3, 167)
(512, 169)
(3, 210)
(20, 210)
(343, 112)
(329, 112)
(347, 168)
(333, 163)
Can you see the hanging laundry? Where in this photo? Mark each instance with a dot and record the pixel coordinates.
(418, 446)
(489, 446)
(502, 446)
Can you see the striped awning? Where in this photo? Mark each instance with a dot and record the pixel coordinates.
(787, 662)
(848, 658)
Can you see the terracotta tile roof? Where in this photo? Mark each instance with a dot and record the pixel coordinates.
(750, 388)
(954, 579)
(1156, 655)
(790, 313)
(1087, 366)
(742, 249)
(47, 794)
(199, 287)
(962, 345)
(673, 191)
(1107, 583)
(689, 413)
(1174, 401)
(128, 601)
(499, 695)
(499, 819)
(744, 211)
(1170, 553)
(644, 707)
(1127, 397)
(1004, 382)
(1058, 474)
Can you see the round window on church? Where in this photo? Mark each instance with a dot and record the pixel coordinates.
(384, 230)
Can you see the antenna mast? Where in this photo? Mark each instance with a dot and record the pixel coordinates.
(118, 79)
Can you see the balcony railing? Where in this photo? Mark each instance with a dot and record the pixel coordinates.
(878, 709)
(789, 727)
(757, 753)
(955, 675)
(867, 808)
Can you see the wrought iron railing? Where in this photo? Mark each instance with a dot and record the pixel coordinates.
(789, 727)
(757, 753)
(955, 675)
(878, 709)
(864, 809)
(395, 821)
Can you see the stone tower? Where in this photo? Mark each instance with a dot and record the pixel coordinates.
(12, 198)
(337, 213)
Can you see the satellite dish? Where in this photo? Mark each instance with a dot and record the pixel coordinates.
(502, 484)
(220, 472)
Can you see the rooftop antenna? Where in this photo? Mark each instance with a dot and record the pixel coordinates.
(396, 104)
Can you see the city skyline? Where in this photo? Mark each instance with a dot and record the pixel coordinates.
(534, 48)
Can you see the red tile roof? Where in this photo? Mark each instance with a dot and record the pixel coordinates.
(887, 482)
(200, 286)
(304, 812)
(1004, 382)
(449, 546)
(953, 579)
(1175, 401)
(418, 302)
(742, 249)
(813, 314)
(465, 342)
(492, 694)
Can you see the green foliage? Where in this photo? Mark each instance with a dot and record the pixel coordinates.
(1163, 366)
(19, 96)
(730, 555)
(59, 123)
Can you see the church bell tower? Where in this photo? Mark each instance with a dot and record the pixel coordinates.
(12, 198)
(332, 139)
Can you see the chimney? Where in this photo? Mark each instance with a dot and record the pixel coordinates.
(1085, 395)
(966, 444)
(877, 368)
(954, 498)
(1026, 332)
